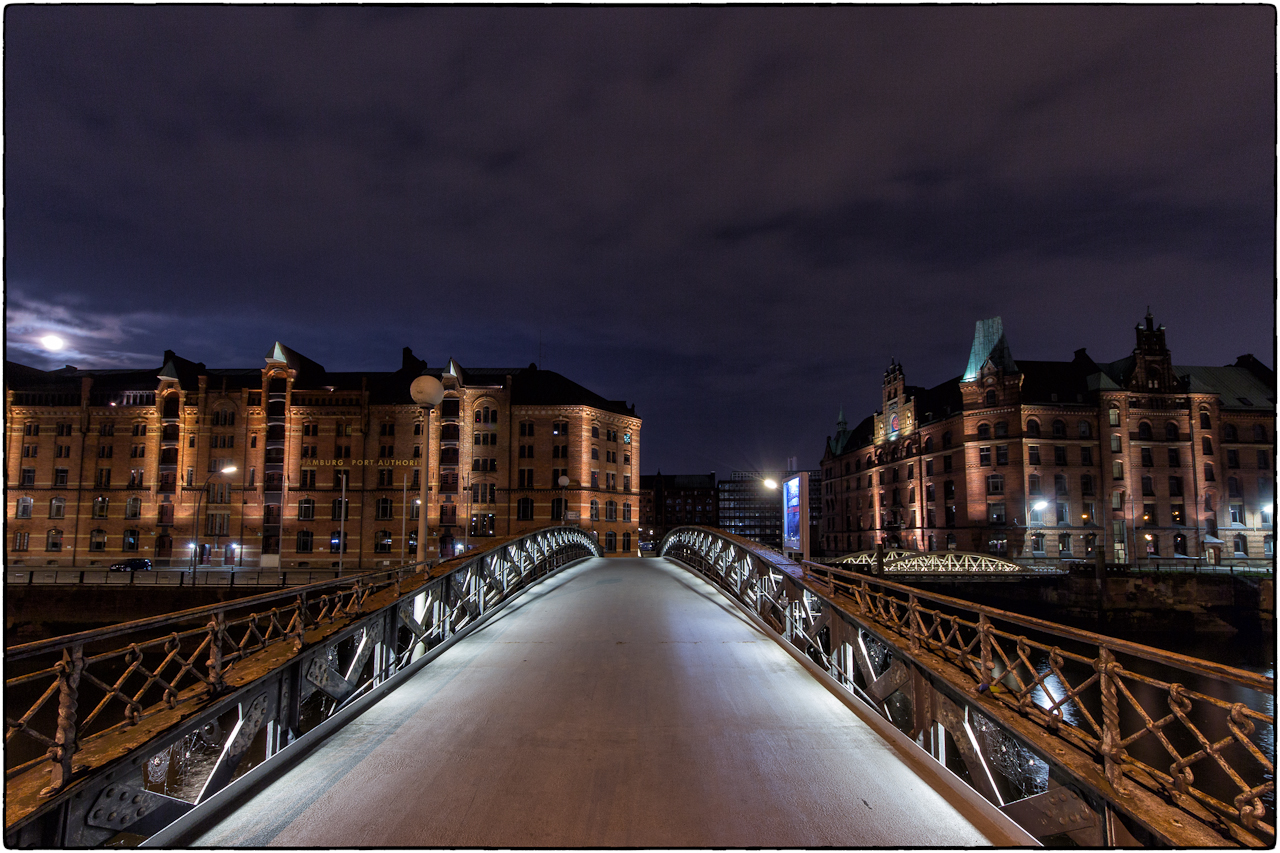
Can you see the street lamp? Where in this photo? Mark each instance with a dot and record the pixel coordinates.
(195, 545)
(563, 482)
(427, 392)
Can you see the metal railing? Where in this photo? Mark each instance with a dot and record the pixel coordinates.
(174, 577)
(1069, 732)
(127, 728)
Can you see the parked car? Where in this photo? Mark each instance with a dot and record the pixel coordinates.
(137, 564)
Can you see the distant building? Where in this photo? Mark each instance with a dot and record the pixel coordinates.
(109, 464)
(751, 509)
(1141, 458)
(671, 500)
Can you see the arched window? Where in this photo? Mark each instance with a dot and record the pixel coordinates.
(626, 542)
(1113, 415)
(1206, 445)
(1144, 431)
(610, 542)
(337, 541)
(58, 508)
(1064, 543)
(1117, 469)
(1059, 429)
(306, 509)
(611, 511)
(984, 430)
(595, 453)
(385, 508)
(1002, 429)
(1037, 543)
(133, 508)
(1033, 428)
(1085, 428)
(992, 398)
(1086, 484)
(341, 509)
(1259, 433)
(595, 510)
(946, 442)
(100, 506)
(451, 432)
(304, 542)
(557, 509)
(1229, 432)
(995, 484)
(130, 540)
(626, 511)
(595, 431)
(1033, 484)
(524, 509)
(928, 445)
(1171, 431)
(170, 405)
(98, 540)
(1180, 544)
(1205, 423)
(382, 542)
(1153, 544)
(1060, 484)
(53, 540)
(1241, 545)
(24, 507)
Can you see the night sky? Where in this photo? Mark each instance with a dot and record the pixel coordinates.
(731, 217)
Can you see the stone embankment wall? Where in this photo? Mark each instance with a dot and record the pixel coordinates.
(1133, 602)
(34, 612)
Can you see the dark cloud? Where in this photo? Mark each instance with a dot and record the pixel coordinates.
(732, 217)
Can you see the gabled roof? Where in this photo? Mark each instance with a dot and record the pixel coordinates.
(1236, 387)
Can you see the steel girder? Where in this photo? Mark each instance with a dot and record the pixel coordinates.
(962, 680)
(150, 719)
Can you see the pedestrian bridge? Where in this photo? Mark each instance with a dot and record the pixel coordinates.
(539, 695)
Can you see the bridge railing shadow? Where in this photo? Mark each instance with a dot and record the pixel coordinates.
(114, 733)
(1079, 737)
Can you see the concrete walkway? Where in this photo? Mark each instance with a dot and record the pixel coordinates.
(624, 703)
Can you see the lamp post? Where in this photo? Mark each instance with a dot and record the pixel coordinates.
(563, 482)
(195, 527)
(404, 515)
(427, 392)
(1038, 506)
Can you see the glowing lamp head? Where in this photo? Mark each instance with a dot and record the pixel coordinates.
(770, 483)
(1038, 505)
(230, 469)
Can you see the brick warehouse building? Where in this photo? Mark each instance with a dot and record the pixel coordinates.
(1142, 458)
(109, 464)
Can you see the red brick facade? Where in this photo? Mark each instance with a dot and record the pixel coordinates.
(106, 465)
(1141, 458)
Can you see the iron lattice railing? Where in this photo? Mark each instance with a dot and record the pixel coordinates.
(254, 672)
(1112, 720)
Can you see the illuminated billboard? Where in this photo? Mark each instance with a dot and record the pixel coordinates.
(795, 514)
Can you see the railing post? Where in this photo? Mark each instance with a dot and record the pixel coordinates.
(984, 652)
(913, 617)
(1112, 753)
(64, 748)
(217, 632)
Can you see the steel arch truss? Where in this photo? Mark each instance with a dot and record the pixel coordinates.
(130, 727)
(940, 563)
(1054, 729)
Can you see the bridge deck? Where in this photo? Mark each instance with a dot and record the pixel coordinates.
(624, 703)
